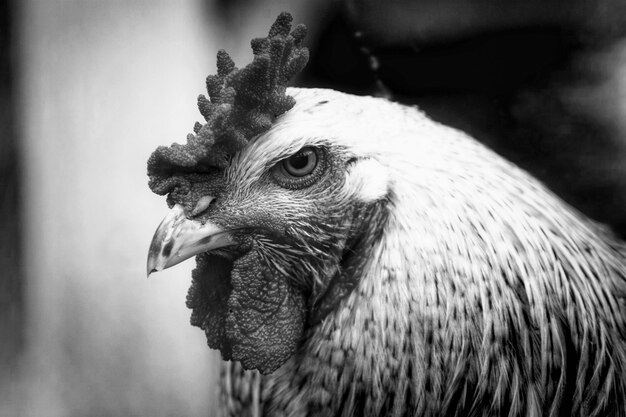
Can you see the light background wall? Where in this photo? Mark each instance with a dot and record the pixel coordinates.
(102, 84)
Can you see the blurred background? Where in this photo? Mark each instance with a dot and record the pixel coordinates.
(89, 88)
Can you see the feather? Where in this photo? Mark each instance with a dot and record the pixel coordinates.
(413, 271)
(483, 294)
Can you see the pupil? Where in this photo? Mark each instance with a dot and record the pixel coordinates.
(300, 160)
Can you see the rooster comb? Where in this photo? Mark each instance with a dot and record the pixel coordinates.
(242, 104)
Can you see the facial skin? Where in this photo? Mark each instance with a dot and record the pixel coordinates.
(273, 234)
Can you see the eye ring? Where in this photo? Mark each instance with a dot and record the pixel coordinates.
(300, 164)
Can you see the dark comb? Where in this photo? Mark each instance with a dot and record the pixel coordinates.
(242, 104)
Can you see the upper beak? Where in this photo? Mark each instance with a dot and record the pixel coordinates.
(178, 238)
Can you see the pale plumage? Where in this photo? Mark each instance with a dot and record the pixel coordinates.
(485, 294)
(355, 258)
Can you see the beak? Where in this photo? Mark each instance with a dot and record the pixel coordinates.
(178, 238)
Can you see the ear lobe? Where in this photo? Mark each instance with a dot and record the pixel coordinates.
(266, 315)
(367, 180)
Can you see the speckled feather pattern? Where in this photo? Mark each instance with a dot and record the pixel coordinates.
(483, 295)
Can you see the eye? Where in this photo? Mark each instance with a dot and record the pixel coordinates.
(300, 164)
(302, 169)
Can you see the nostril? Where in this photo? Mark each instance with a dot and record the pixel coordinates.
(202, 204)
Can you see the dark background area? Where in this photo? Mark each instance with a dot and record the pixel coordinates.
(11, 279)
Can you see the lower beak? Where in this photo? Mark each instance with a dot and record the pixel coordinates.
(178, 238)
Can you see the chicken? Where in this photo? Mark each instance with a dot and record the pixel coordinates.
(355, 258)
